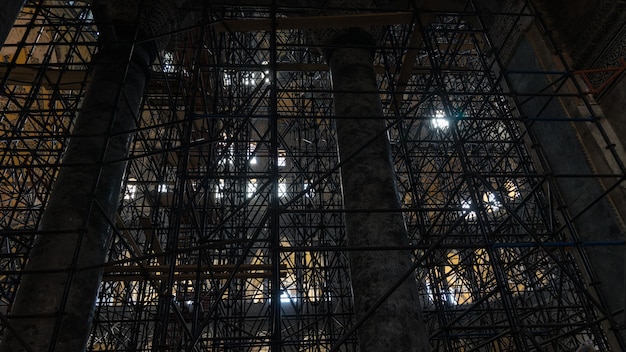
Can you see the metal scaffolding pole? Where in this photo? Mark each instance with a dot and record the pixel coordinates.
(54, 305)
(368, 184)
(237, 127)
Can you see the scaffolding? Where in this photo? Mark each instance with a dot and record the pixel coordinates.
(230, 232)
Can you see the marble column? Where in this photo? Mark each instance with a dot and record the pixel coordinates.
(368, 182)
(55, 301)
(9, 10)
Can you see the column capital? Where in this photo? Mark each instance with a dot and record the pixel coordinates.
(135, 20)
(327, 39)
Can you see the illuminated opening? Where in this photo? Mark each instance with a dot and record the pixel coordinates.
(492, 202)
(168, 62)
(467, 204)
(131, 190)
(251, 188)
(440, 121)
(227, 79)
(248, 79)
(282, 158)
(447, 296)
(227, 157)
(309, 191)
(251, 149)
(219, 188)
(282, 190)
(511, 189)
(266, 73)
(285, 297)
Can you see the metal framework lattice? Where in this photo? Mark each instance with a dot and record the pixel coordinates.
(230, 233)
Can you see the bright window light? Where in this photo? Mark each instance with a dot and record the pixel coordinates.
(446, 296)
(440, 121)
(492, 202)
(282, 158)
(429, 292)
(251, 149)
(227, 157)
(162, 188)
(131, 191)
(282, 190)
(248, 79)
(266, 73)
(310, 191)
(449, 297)
(467, 204)
(168, 62)
(511, 189)
(219, 189)
(251, 188)
(285, 297)
(227, 79)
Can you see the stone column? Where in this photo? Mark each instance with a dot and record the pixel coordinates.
(369, 184)
(55, 301)
(9, 10)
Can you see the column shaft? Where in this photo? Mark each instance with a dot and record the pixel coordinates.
(9, 10)
(369, 183)
(56, 304)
